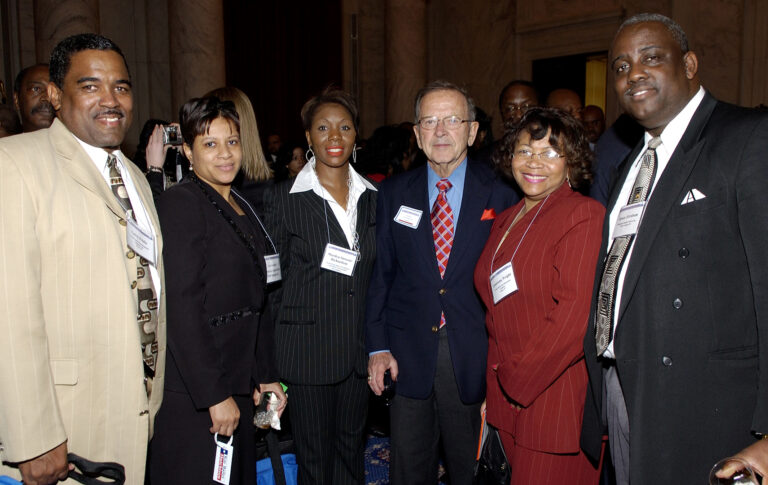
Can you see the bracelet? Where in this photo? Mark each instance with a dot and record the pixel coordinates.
(155, 169)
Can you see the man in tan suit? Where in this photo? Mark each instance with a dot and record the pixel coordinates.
(80, 252)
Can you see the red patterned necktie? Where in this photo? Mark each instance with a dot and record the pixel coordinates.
(442, 230)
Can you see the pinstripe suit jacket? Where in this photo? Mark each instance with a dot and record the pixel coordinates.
(535, 353)
(319, 313)
(71, 355)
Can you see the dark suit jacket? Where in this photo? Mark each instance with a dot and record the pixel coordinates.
(318, 313)
(692, 336)
(218, 343)
(407, 294)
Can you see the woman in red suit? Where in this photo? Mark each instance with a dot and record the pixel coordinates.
(535, 277)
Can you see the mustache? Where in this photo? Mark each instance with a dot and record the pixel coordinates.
(110, 112)
(43, 106)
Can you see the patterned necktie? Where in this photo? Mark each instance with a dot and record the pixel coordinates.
(442, 230)
(147, 308)
(606, 298)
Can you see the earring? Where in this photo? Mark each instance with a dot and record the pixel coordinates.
(568, 179)
(310, 154)
(354, 153)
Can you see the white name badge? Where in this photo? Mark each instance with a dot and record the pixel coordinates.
(408, 217)
(140, 241)
(503, 282)
(222, 465)
(338, 259)
(273, 268)
(629, 219)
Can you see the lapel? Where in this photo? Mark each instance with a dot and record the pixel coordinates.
(311, 203)
(78, 165)
(473, 201)
(416, 196)
(666, 194)
(364, 216)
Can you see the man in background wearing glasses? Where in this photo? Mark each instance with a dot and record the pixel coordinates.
(425, 323)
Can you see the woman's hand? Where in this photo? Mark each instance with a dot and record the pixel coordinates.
(271, 387)
(155, 149)
(225, 417)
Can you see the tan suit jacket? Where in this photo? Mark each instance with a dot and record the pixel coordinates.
(71, 364)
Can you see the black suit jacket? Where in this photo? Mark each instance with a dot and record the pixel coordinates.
(318, 313)
(692, 336)
(407, 293)
(220, 341)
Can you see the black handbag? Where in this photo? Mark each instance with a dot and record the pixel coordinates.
(89, 472)
(492, 467)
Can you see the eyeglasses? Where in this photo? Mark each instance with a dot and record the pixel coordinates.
(512, 108)
(546, 155)
(449, 122)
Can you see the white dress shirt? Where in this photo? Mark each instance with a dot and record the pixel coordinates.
(347, 218)
(99, 157)
(670, 138)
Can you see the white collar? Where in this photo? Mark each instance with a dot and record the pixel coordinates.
(675, 129)
(307, 180)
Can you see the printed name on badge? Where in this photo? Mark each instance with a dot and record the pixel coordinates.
(408, 217)
(503, 282)
(339, 259)
(273, 268)
(140, 241)
(629, 219)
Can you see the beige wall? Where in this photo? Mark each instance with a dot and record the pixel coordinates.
(475, 43)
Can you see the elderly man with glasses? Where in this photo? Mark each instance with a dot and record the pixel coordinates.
(425, 323)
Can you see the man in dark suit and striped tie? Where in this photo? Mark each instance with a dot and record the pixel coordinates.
(424, 321)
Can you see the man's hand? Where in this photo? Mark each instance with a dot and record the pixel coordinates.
(378, 364)
(47, 468)
(271, 387)
(225, 417)
(755, 454)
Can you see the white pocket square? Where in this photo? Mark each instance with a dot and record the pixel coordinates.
(692, 196)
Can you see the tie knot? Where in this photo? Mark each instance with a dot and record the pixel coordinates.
(654, 143)
(443, 185)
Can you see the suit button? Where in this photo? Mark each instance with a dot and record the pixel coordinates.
(683, 253)
(123, 223)
(351, 293)
(130, 254)
(666, 361)
(133, 285)
(443, 291)
(678, 303)
(435, 328)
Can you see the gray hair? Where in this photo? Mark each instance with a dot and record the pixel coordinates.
(673, 27)
(444, 86)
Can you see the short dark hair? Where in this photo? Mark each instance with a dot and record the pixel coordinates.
(197, 114)
(61, 57)
(517, 82)
(23, 73)
(330, 95)
(567, 136)
(673, 27)
(440, 85)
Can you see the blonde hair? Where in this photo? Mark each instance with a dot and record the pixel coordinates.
(254, 163)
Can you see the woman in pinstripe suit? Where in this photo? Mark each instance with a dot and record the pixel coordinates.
(547, 244)
(323, 224)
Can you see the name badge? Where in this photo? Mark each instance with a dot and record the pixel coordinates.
(339, 259)
(503, 282)
(629, 219)
(140, 241)
(273, 268)
(222, 465)
(408, 217)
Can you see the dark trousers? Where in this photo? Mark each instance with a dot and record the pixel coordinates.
(327, 423)
(418, 426)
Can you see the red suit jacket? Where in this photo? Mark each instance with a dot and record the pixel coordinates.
(535, 352)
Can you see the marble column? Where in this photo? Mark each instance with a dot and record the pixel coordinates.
(406, 58)
(196, 30)
(58, 19)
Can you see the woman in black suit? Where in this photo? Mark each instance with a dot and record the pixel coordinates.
(323, 225)
(220, 339)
